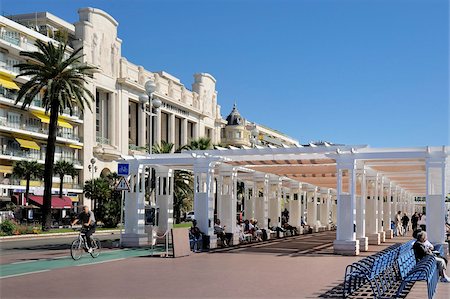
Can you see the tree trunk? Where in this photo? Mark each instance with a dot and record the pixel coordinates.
(61, 178)
(27, 188)
(48, 171)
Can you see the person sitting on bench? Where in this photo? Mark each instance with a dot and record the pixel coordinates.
(421, 250)
(220, 232)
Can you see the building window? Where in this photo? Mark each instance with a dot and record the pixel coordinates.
(178, 134)
(190, 130)
(164, 127)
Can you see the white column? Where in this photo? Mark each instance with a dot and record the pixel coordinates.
(387, 216)
(372, 212)
(346, 242)
(275, 201)
(141, 127)
(294, 206)
(157, 127)
(361, 212)
(204, 198)
(184, 132)
(228, 201)
(112, 119)
(262, 202)
(380, 199)
(303, 203)
(312, 209)
(172, 128)
(134, 234)
(164, 198)
(436, 191)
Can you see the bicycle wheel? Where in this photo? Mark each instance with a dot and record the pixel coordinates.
(96, 248)
(76, 250)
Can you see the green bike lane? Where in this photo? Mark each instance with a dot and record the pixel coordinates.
(44, 265)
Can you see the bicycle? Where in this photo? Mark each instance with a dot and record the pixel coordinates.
(79, 246)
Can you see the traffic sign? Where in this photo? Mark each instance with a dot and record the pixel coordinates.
(123, 169)
(122, 185)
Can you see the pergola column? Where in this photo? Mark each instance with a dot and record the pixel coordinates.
(164, 198)
(372, 211)
(437, 180)
(387, 216)
(346, 242)
(295, 209)
(262, 200)
(228, 201)
(134, 234)
(303, 198)
(275, 201)
(325, 208)
(204, 198)
(361, 211)
(249, 198)
(395, 205)
(380, 199)
(334, 210)
(312, 209)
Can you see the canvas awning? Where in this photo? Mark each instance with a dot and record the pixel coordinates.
(57, 202)
(8, 83)
(75, 146)
(28, 144)
(6, 169)
(46, 119)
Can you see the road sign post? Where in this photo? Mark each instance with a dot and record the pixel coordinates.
(122, 186)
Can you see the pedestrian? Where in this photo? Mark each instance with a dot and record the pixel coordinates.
(414, 220)
(422, 221)
(405, 222)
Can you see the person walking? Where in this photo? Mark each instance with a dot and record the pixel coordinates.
(405, 222)
(422, 221)
(414, 220)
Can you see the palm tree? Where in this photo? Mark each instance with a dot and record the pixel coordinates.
(182, 181)
(61, 169)
(62, 82)
(202, 143)
(164, 148)
(27, 170)
(98, 190)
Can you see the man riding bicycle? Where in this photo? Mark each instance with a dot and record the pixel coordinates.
(87, 220)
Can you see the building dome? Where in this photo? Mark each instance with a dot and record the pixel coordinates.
(235, 117)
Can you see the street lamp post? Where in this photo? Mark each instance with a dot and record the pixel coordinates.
(93, 169)
(147, 97)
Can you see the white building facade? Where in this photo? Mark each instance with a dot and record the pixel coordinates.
(118, 124)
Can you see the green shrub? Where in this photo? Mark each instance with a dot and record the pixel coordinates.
(7, 227)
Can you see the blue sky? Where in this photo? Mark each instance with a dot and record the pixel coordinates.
(353, 72)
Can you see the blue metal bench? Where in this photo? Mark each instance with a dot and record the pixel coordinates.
(383, 270)
(424, 270)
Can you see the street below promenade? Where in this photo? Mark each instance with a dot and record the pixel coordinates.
(295, 267)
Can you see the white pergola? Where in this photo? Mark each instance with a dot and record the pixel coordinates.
(358, 188)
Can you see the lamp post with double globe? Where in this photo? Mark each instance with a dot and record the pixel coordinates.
(147, 97)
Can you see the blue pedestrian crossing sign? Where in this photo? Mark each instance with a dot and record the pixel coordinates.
(122, 185)
(123, 169)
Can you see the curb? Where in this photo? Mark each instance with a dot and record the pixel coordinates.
(34, 236)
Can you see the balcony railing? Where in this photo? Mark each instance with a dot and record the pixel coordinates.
(29, 154)
(9, 67)
(10, 39)
(41, 129)
(19, 182)
(103, 140)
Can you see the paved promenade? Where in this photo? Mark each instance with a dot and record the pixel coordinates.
(297, 267)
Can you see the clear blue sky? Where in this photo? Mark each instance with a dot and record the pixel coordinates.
(353, 72)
